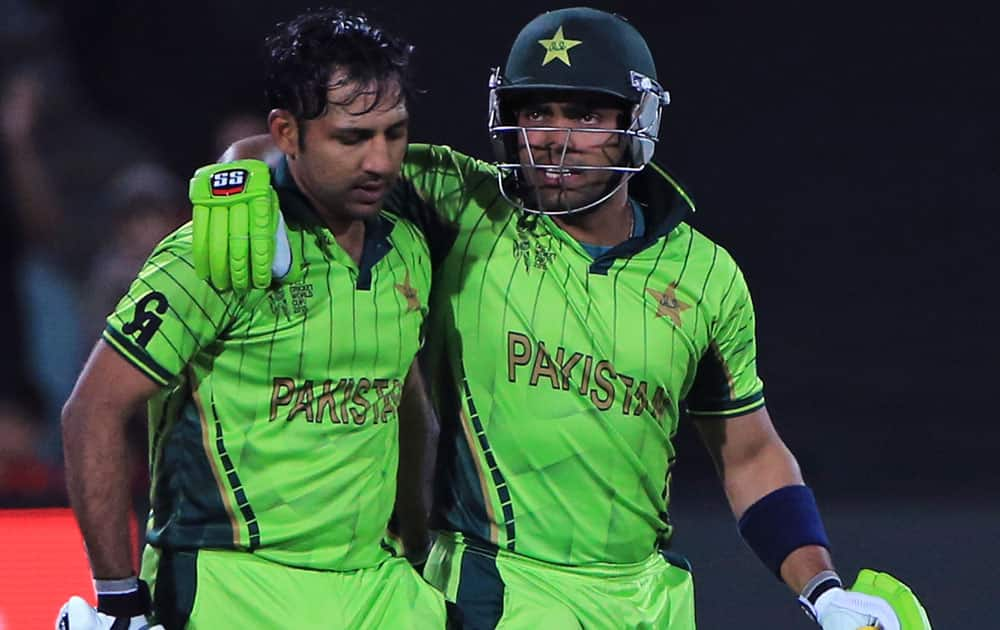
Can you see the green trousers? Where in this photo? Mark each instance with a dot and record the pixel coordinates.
(493, 588)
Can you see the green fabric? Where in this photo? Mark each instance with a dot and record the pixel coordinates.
(650, 593)
(560, 379)
(241, 590)
(276, 429)
(568, 376)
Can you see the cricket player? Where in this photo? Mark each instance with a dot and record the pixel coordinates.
(274, 414)
(575, 314)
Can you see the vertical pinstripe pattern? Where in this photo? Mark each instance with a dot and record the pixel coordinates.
(575, 369)
(295, 454)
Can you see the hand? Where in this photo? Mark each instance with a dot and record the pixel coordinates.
(838, 609)
(76, 614)
(876, 601)
(239, 234)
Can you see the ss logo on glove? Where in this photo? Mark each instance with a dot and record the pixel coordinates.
(231, 182)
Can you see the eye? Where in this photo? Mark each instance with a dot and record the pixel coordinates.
(349, 137)
(533, 115)
(590, 118)
(395, 133)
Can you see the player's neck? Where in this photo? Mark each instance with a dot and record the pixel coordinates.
(349, 232)
(608, 224)
(351, 237)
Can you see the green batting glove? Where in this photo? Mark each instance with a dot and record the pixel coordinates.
(907, 607)
(239, 235)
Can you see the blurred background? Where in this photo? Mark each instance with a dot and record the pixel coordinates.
(847, 155)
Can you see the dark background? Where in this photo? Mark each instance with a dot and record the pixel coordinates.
(845, 154)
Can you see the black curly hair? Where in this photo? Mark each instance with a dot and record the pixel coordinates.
(303, 52)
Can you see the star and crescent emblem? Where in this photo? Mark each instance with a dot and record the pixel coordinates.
(667, 304)
(558, 47)
(408, 292)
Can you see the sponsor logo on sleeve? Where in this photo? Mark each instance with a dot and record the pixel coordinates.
(146, 322)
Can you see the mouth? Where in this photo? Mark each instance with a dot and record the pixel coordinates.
(369, 193)
(559, 177)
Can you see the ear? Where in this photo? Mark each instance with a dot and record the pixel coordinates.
(285, 131)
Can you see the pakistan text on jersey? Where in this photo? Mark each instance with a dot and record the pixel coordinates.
(532, 360)
(344, 401)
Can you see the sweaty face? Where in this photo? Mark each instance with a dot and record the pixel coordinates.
(583, 135)
(351, 155)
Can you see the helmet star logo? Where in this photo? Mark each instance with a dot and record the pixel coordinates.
(558, 47)
(667, 304)
(408, 292)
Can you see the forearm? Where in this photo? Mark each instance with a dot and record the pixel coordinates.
(96, 460)
(768, 468)
(771, 468)
(418, 437)
(802, 564)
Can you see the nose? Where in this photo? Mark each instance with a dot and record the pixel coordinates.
(378, 156)
(554, 140)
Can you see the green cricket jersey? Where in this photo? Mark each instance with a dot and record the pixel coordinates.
(276, 430)
(567, 373)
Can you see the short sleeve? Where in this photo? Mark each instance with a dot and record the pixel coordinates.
(726, 383)
(168, 314)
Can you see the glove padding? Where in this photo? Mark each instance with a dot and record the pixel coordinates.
(876, 601)
(77, 614)
(239, 234)
(905, 604)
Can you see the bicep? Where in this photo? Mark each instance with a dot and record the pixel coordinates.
(736, 439)
(109, 387)
(168, 314)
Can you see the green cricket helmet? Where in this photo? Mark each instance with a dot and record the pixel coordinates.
(575, 50)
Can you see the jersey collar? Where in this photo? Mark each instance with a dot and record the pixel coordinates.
(664, 203)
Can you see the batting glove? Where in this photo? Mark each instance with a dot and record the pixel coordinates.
(877, 601)
(240, 240)
(127, 611)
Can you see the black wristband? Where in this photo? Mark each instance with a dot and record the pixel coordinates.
(132, 604)
(821, 588)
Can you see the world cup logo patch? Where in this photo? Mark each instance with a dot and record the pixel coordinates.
(231, 182)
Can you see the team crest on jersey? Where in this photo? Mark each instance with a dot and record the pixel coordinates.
(667, 304)
(533, 249)
(231, 182)
(409, 293)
